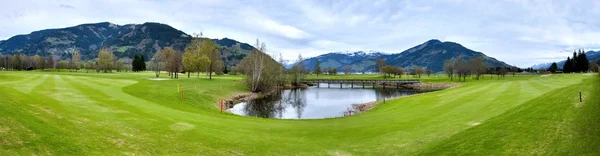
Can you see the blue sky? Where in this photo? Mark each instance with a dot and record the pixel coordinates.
(520, 33)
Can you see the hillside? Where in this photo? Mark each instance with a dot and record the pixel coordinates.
(430, 55)
(124, 40)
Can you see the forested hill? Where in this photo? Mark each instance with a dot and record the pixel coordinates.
(123, 40)
(430, 55)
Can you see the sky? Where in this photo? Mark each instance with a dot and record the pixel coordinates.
(521, 33)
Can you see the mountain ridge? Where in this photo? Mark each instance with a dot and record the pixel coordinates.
(430, 54)
(123, 40)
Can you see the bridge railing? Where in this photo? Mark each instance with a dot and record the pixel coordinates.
(360, 81)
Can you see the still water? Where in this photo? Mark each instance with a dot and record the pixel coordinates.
(314, 102)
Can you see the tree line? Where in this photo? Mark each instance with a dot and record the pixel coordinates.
(577, 64)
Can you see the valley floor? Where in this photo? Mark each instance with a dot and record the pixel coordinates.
(70, 113)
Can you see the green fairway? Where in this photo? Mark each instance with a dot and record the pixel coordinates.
(71, 113)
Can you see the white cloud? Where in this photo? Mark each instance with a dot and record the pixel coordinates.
(518, 32)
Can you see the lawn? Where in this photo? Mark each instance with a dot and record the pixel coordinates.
(69, 113)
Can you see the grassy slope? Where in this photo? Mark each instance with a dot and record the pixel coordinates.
(553, 124)
(68, 113)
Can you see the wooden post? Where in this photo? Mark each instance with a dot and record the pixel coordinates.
(373, 85)
(383, 85)
(363, 85)
(182, 95)
(221, 106)
(328, 84)
(580, 100)
(340, 85)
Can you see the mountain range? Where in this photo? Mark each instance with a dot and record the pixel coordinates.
(148, 38)
(123, 40)
(591, 56)
(430, 55)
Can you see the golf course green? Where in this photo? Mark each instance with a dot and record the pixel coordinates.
(78, 113)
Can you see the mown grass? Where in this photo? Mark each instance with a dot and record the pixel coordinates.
(70, 113)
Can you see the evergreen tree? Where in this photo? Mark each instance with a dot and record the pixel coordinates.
(553, 68)
(134, 64)
(225, 70)
(573, 63)
(582, 62)
(567, 66)
(138, 63)
(142, 62)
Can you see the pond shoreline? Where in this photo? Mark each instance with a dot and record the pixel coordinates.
(356, 108)
(245, 97)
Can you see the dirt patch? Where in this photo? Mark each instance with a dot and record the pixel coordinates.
(546, 75)
(359, 108)
(181, 126)
(237, 99)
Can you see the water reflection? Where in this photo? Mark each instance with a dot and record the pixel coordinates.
(313, 102)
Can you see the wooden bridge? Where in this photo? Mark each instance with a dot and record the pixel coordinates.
(364, 83)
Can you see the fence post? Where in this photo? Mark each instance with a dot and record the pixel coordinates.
(580, 100)
(221, 106)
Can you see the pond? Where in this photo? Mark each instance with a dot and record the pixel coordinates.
(315, 102)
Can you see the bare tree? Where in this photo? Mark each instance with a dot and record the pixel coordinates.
(297, 71)
(76, 60)
(477, 66)
(379, 63)
(62, 65)
(105, 60)
(514, 70)
(418, 71)
(332, 71)
(449, 69)
(317, 69)
(173, 61)
(262, 72)
(158, 61)
(39, 62)
(89, 65)
(49, 63)
(347, 69)
(387, 71)
(462, 68)
(398, 71)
